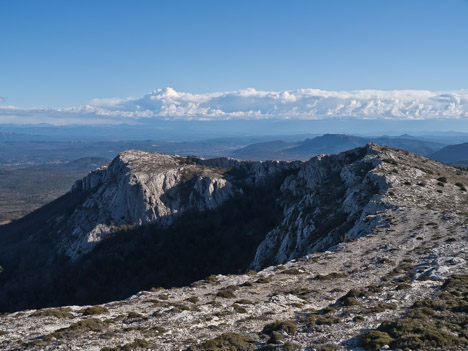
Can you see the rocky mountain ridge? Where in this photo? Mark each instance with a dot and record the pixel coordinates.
(390, 270)
(142, 187)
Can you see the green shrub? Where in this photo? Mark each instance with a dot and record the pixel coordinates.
(94, 310)
(192, 299)
(289, 327)
(80, 327)
(327, 320)
(225, 293)
(382, 307)
(374, 340)
(438, 322)
(53, 312)
(328, 309)
(136, 344)
(211, 279)
(226, 342)
(239, 309)
(275, 336)
(330, 276)
(134, 315)
(419, 334)
(403, 286)
(349, 301)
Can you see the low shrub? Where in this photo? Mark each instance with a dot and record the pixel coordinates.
(226, 342)
(94, 310)
(374, 340)
(53, 312)
(289, 327)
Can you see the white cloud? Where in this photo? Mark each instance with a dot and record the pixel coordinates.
(252, 104)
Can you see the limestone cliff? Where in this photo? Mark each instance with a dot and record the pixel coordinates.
(325, 200)
(331, 199)
(140, 187)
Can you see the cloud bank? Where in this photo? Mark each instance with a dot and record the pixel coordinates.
(311, 104)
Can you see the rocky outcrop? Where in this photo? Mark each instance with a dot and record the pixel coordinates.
(325, 200)
(331, 199)
(142, 187)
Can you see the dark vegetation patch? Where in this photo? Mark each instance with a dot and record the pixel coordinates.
(437, 322)
(330, 276)
(53, 312)
(226, 293)
(350, 299)
(134, 315)
(94, 310)
(275, 337)
(226, 238)
(442, 179)
(315, 319)
(136, 344)
(80, 327)
(226, 342)
(374, 339)
(192, 299)
(239, 309)
(289, 327)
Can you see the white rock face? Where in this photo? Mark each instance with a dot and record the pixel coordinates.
(327, 202)
(138, 188)
(142, 187)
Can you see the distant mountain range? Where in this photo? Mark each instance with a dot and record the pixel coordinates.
(331, 144)
(453, 154)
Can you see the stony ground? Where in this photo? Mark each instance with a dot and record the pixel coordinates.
(328, 299)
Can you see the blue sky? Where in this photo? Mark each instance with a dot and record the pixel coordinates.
(65, 53)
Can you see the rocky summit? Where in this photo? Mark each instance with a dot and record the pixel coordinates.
(363, 250)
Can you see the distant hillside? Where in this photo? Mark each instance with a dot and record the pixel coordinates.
(331, 144)
(328, 144)
(261, 151)
(455, 154)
